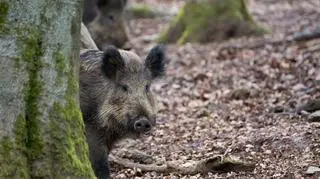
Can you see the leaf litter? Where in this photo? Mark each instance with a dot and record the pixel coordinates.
(242, 102)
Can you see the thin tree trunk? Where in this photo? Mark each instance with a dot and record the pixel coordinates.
(41, 130)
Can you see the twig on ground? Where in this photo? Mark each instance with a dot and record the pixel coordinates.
(215, 164)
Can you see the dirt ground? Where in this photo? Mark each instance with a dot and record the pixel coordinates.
(239, 102)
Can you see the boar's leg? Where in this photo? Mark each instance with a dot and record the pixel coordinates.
(100, 165)
(98, 154)
(99, 161)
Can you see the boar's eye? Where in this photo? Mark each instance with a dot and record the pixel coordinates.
(147, 87)
(124, 88)
(110, 17)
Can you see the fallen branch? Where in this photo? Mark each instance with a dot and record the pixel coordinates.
(305, 36)
(216, 164)
(299, 37)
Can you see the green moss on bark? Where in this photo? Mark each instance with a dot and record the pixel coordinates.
(67, 129)
(67, 145)
(60, 66)
(14, 163)
(20, 131)
(32, 52)
(4, 7)
(42, 147)
(28, 143)
(211, 20)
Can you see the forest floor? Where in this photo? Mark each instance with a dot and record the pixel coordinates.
(216, 100)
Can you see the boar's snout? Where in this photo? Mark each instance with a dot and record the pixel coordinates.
(143, 125)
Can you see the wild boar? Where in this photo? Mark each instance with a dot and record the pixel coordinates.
(105, 22)
(115, 98)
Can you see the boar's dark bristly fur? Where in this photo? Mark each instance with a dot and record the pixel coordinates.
(115, 98)
(112, 60)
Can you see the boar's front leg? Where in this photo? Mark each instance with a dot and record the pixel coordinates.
(100, 164)
(98, 154)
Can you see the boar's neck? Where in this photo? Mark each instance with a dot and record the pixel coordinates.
(106, 136)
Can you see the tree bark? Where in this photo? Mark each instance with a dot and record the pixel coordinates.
(211, 20)
(41, 129)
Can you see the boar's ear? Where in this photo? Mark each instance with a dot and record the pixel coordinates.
(112, 61)
(124, 2)
(105, 3)
(102, 3)
(155, 61)
(113, 4)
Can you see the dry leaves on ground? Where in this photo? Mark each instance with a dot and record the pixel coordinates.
(238, 102)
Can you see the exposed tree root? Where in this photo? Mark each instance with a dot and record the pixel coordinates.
(216, 164)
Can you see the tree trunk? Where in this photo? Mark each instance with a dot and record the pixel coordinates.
(211, 20)
(41, 129)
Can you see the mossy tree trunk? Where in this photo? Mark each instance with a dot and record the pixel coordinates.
(41, 130)
(211, 20)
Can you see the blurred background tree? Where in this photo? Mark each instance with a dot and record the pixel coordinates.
(211, 20)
